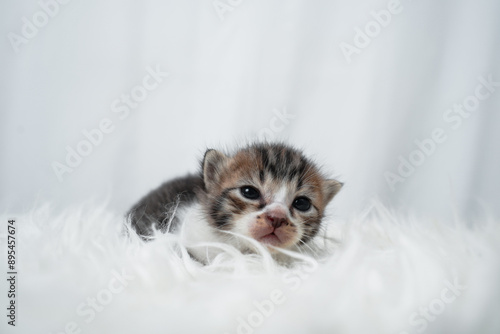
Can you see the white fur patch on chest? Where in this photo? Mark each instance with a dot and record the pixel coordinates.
(196, 234)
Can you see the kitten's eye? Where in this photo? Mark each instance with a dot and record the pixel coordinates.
(302, 204)
(250, 192)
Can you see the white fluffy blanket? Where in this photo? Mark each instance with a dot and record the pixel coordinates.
(377, 273)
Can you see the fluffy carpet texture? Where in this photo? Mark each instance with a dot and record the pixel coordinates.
(378, 272)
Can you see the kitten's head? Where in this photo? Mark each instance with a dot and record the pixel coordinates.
(269, 192)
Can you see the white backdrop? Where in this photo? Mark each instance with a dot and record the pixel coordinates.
(358, 88)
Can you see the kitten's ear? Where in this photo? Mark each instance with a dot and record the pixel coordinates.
(330, 189)
(212, 166)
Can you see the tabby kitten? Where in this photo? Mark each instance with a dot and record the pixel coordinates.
(268, 192)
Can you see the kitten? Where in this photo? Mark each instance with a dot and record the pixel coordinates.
(268, 192)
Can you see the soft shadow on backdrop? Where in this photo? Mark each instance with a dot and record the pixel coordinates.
(362, 86)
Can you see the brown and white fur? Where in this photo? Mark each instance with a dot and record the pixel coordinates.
(268, 192)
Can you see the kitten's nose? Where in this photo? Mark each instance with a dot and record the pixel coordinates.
(276, 218)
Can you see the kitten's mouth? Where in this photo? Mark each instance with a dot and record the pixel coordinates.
(271, 239)
(270, 236)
